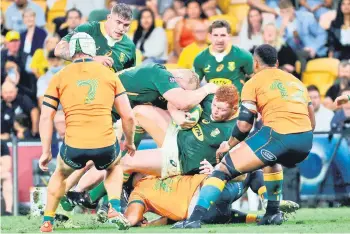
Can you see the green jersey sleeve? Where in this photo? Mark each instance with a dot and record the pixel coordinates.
(248, 65)
(87, 28)
(197, 66)
(164, 81)
(206, 104)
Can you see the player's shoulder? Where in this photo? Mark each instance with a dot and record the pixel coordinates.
(127, 41)
(201, 57)
(241, 53)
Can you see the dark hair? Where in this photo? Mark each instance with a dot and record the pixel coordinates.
(51, 55)
(220, 24)
(339, 19)
(139, 31)
(123, 10)
(250, 30)
(313, 88)
(283, 4)
(74, 10)
(202, 15)
(267, 54)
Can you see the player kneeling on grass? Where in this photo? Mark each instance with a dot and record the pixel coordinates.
(286, 138)
(87, 91)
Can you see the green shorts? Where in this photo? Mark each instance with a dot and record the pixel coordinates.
(77, 158)
(286, 149)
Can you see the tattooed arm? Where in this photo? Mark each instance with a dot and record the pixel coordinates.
(62, 50)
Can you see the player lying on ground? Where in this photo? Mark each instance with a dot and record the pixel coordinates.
(286, 138)
(174, 197)
(87, 104)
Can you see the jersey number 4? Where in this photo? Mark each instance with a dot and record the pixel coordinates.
(92, 84)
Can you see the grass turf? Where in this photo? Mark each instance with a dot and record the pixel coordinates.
(323, 220)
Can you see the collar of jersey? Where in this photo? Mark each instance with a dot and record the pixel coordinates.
(104, 33)
(226, 51)
(83, 60)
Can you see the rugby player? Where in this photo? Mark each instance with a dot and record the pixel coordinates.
(223, 63)
(87, 98)
(286, 138)
(343, 99)
(113, 48)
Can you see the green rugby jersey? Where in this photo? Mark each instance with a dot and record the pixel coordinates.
(231, 70)
(145, 84)
(122, 52)
(202, 141)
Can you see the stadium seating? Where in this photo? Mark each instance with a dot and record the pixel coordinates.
(240, 11)
(321, 72)
(170, 38)
(57, 10)
(171, 66)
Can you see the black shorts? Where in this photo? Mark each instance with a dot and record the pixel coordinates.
(77, 158)
(4, 149)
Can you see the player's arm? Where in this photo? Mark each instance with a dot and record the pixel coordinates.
(262, 6)
(48, 111)
(197, 67)
(180, 117)
(134, 212)
(161, 221)
(311, 115)
(187, 99)
(122, 105)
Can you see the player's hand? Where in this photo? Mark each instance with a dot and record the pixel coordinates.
(44, 160)
(187, 123)
(130, 148)
(206, 168)
(341, 100)
(311, 51)
(224, 148)
(105, 60)
(210, 88)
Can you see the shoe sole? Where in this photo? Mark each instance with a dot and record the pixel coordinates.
(120, 223)
(102, 216)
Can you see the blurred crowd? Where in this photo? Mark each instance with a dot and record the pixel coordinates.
(312, 38)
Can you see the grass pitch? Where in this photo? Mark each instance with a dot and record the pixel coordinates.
(322, 220)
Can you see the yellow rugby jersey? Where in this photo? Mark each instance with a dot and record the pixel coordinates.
(86, 91)
(282, 100)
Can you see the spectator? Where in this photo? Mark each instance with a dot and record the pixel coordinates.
(341, 119)
(11, 53)
(190, 52)
(31, 39)
(270, 6)
(73, 19)
(163, 5)
(301, 32)
(151, 40)
(6, 177)
(14, 20)
(209, 8)
(21, 126)
(13, 104)
(153, 6)
(339, 32)
(251, 31)
(169, 15)
(323, 116)
(85, 6)
(184, 29)
(179, 8)
(316, 7)
(343, 83)
(55, 65)
(4, 30)
(286, 56)
(40, 63)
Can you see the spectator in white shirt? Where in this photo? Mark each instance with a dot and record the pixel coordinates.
(150, 40)
(323, 115)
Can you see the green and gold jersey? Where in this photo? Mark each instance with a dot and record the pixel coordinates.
(145, 84)
(231, 70)
(122, 52)
(202, 141)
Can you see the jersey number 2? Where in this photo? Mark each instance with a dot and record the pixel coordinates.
(93, 84)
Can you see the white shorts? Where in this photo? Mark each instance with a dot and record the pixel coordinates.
(170, 153)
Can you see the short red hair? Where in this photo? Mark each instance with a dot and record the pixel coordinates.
(228, 94)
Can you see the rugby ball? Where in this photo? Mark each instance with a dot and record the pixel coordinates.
(196, 113)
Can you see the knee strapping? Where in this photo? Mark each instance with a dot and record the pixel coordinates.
(233, 172)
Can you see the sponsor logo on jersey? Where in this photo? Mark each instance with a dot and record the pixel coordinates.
(215, 132)
(172, 79)
(173, 163)
(220, 67)
(231, 66)
(121, 57)
(98, 48)
(205, 121)
(207, 69)
(220, 81)
(197, 131)
(109, 53)
(268, 155)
